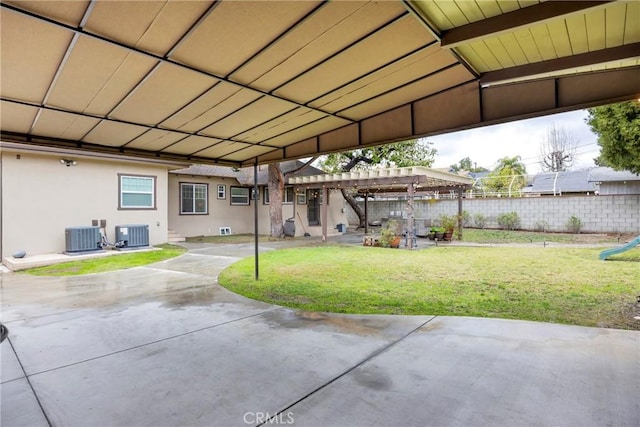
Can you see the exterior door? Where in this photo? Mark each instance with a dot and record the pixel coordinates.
(313, 207)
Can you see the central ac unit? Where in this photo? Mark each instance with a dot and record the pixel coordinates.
(82, 239)
(133, 235)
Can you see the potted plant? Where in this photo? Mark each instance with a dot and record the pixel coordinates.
(438, 233)
(389, 237)
(432, 233)
(448, 222)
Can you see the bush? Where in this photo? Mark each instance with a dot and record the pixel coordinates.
(466, 219)
(541, 226)
(574, 225)
(388, 234)
(480, 220)
(448, 222)
(509, 221)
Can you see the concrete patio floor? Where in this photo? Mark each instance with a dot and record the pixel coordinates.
(165, 345)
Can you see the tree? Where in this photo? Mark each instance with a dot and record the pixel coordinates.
(508, 177)
(466, 165)
(558, 151)
(276, 188)
(399, 154)
(618, 130)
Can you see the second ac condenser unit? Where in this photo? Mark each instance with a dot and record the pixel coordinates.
(133, 235)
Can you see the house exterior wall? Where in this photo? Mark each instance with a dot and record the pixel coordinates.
(619, 187)
(599, 214)
(41, 197)
(241, 218)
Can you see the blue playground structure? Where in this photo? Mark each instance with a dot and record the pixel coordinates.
(610, 252)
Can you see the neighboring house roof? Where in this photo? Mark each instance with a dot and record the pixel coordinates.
(244, 176)
(479, 175)
(285, 167)
(562, 182)
(605, 174)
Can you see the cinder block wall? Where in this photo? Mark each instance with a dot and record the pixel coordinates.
(599, 214)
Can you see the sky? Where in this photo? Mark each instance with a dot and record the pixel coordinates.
(486, 145)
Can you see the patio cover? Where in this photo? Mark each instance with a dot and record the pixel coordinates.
(250, 82)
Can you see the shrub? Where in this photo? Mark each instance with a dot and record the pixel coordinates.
(574, 225)
(509, 221)
(388, 234)
(466, 219)
(541, 226)
(448, 222)
(480, 220)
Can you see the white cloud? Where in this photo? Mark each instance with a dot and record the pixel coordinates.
(486, 145)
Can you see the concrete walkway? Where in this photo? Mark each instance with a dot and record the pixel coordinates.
(164, 345)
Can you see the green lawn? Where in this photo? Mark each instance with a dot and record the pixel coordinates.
(508, 236)
(110, 263)
(544, 284)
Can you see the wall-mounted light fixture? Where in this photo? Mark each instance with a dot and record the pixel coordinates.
(68, 162)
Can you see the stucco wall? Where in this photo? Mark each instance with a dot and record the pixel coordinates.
(599, 214)
(241, 218)
(41, 197)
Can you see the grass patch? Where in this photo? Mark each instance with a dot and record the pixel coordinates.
(542, 284)
(110, 263)
(508, 236)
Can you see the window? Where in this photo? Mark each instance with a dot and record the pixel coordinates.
(222, 191)
(287, 197)
(137, 192)
(193, 198)
(239, 195)
(301, 198)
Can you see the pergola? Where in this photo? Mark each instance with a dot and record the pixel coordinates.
(395, 180)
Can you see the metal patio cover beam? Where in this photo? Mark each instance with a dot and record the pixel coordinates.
(511, 21)
(471, 105)
(619, 53)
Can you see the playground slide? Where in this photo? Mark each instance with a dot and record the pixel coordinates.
(609, 252)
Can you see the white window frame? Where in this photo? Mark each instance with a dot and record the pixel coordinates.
(222, 191)
(121, 192)
(247, 196)
(206, 198)
(301, 198)
(288, 193)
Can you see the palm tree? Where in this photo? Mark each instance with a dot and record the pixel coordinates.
(508, 177)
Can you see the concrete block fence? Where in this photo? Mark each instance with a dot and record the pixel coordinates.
(599, 214)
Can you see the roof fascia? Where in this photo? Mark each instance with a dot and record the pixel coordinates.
(18, 147)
